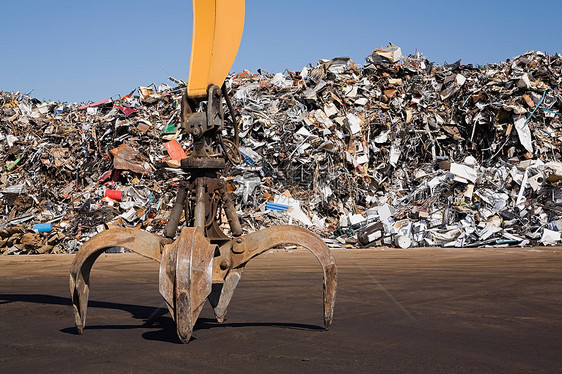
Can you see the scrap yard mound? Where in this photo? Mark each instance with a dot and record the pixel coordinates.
(400, 152)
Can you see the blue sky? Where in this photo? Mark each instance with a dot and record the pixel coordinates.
(91, 50)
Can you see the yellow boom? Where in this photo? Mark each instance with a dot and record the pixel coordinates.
(217, 32)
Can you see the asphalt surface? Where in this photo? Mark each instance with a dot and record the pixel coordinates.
(417, 310)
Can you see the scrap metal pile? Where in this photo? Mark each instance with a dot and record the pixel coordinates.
(399, 152)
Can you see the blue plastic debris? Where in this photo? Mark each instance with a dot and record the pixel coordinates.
(248, 160)
(43, 227)
(276, 207)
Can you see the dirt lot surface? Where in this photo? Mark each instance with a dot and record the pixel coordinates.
(417, 310)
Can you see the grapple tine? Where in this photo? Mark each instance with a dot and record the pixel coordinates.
(141, 242)
(252, 245)
(226, 292)
(186, 271)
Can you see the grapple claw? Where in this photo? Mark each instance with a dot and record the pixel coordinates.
(251, 245)
(186, 271)
(141, 242)
(268, 238)
(203, 262)
(224, 294)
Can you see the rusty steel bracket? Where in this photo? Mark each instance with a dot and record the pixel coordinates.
(203, 262)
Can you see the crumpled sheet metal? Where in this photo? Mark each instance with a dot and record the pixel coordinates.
(126, 157)
(428, 141)
(433, 142)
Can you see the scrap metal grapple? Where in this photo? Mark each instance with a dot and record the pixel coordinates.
(203, 259)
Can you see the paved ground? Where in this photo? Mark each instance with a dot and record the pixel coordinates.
(417, 310)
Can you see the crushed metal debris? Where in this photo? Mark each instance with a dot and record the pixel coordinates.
(399, 152)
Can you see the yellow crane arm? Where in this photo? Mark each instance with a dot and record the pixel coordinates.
(217, 32)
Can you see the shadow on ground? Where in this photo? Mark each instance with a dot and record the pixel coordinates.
(153, 317)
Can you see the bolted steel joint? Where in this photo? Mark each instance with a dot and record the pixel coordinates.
(225, 264)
